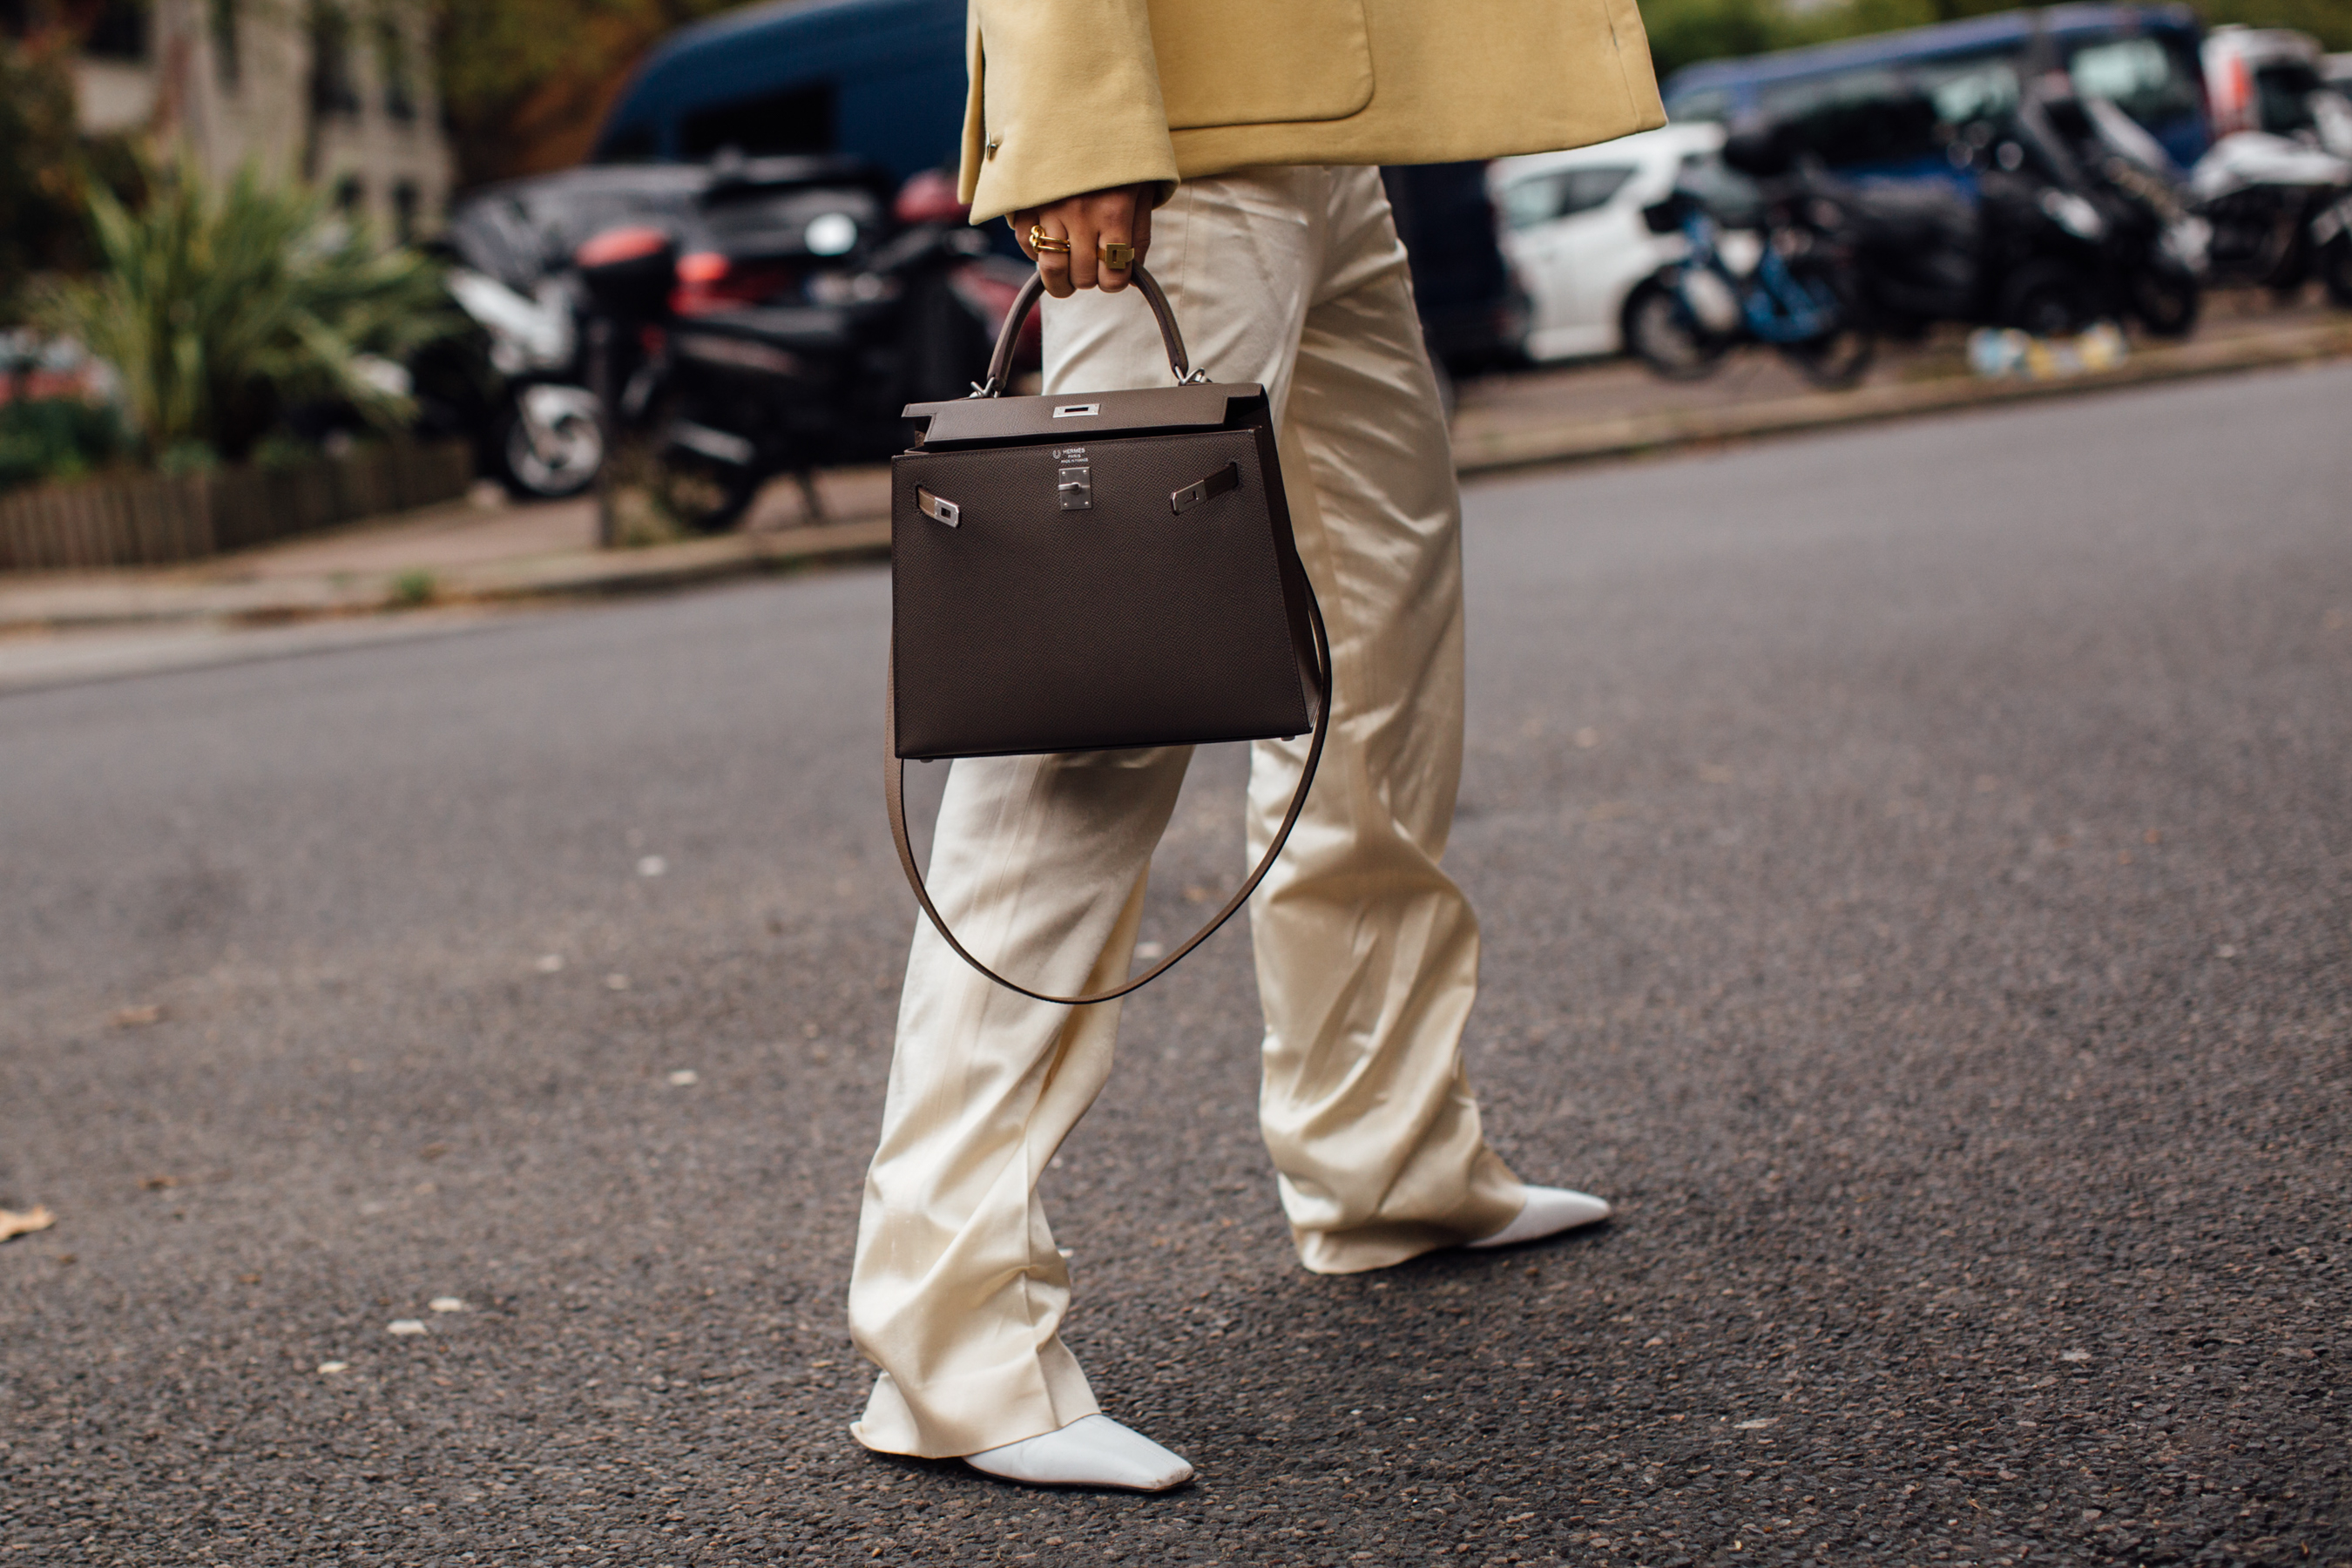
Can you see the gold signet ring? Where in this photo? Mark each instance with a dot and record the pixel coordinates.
(1045, 244)
(1116, 254)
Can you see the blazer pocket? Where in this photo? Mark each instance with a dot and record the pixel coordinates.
(1261, 62)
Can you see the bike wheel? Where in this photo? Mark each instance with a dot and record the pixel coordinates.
(1841, 355)
(1660, 332)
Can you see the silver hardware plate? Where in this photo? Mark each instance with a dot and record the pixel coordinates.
(936, 508)
(1076, 489)
(1076, 410)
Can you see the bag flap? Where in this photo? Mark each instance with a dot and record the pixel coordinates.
(1075, 417)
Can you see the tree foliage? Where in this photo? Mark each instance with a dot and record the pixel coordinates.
(222, 309)
(525, 82)
(41, 170)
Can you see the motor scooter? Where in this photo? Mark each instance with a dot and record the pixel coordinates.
(2278, 208)
(748, 352)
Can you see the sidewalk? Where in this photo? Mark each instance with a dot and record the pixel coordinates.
(487, 551)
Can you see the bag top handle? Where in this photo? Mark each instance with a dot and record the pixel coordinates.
(1000, 363)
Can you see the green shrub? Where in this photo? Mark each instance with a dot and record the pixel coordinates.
(222, 310)
(55, 438)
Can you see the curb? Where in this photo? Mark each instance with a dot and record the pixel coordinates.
(99, 604)
(1593, 440)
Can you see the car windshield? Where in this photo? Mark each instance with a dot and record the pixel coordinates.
(1893, 113)
(2139, 76)
(1561, 193)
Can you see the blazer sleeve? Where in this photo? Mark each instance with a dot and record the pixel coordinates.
(1065, 98)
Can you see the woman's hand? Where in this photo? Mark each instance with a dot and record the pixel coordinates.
(1122, 216)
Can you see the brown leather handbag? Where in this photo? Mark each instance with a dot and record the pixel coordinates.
(1094, 571)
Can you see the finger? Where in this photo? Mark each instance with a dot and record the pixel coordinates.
(1084, 271)
(1116, 274)
(1022, 223)
(1053, 265)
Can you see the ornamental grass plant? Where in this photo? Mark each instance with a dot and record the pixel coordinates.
(223, 310)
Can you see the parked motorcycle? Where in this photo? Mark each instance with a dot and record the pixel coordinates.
(2280, 211)
(2027, 233)
(2152, 247)
(750, 349)
(539, 430)
(1797, 297)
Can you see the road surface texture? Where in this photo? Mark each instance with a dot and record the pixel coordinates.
(1914, 868)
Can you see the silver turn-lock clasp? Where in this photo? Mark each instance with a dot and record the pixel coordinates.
(1073, 478)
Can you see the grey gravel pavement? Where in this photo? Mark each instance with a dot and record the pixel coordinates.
(1914, 867)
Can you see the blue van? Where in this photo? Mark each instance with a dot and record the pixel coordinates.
(879, 81)
(1874, 101)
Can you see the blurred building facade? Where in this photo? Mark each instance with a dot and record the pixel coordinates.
(337, 92)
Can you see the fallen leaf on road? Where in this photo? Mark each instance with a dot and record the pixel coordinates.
(549, 963)
(14, 1225)
(685, 1077)
(404, 1326)
(447, 1304)
(160, 1183)
(334, 1366)
(652, 865)
(616, 982)
(137, 1017)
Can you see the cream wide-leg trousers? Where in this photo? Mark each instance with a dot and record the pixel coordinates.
(1367, 953)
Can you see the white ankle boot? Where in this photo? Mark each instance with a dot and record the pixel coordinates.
(1092, 1451)
(1547, 1212)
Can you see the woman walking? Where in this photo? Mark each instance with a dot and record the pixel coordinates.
(1236, 143)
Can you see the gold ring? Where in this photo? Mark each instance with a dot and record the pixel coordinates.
(1045, 244)
(1116, 254)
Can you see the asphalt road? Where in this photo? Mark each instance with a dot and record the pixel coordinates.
(1915, 865)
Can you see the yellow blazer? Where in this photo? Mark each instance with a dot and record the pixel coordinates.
(1077, 95)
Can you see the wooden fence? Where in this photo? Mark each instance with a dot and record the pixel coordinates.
(154, 520)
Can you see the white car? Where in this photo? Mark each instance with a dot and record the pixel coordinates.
(1573, 230)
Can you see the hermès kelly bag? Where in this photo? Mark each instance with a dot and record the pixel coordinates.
(1094, 571)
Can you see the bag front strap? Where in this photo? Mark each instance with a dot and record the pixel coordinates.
(894, 800)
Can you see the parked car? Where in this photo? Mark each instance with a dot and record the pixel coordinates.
(1573, 232)
(1860, 96)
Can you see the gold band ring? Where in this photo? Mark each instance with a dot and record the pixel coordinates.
(1116, 254)
(1045, 244)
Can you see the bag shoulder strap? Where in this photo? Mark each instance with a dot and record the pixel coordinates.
(893, 798)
